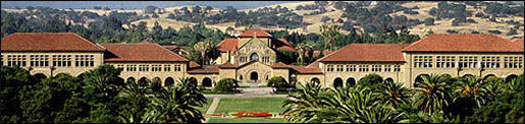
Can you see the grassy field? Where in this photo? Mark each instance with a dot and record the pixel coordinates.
(206, 106)
(226, 120)
(261, 104)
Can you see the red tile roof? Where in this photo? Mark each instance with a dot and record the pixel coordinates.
(47, 42)
(228, 65)
(228, 44)
(284, 41)
(463, 43)
(367, 53)
(519, 41)
(194, 64)
(279, 65)
(282, 44)
(306, 70)
(140, 52)
(286, 48)
(257, 32)
(206, 69)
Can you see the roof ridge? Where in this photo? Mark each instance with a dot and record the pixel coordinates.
(171, 52)
(76, 35)
(332, 53)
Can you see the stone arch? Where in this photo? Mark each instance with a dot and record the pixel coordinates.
(419, 78)
(510, 77)
(81, 76)
(156, 80)
(169, 81)
(350, 82)
(240, 77)
(62, 73)
(40, 76)
(315, 80)
(446, 74)
(254, 76)
(144, 81)
(389, 80)
(206, 82)
(254, 57)
(338, 82)
(194, 81)
(488, 75)
(467, 75)
(130, 79)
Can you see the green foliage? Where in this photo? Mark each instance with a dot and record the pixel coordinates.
(429, 21)
(226, 85)
(373, 81)
(494, 31)
(279, 83)
(287, 56)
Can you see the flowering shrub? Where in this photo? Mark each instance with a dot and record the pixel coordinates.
(253, 114)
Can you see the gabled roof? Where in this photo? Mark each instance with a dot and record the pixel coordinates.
(255, 32)
(206, 69)
(463, 43)
(193, 64)
(279, 65)
(306, 70)
(228, 65)
(228, 44)
(140, 52)
(47, 42)
(282, 44)
(519, 42)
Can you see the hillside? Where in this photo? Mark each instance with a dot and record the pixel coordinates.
(482, 25)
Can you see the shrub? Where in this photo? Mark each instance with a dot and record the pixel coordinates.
(452, 31)
(226, 85)
(279, 83)
(429, 21)
(494, 31)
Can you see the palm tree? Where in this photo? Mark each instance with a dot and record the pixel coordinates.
(307, 105)
(133, 89)
(516, 85)
(394, 94)
(473, 88)
(433, 93)
(359, 104)
(202, 47)
(175, 105)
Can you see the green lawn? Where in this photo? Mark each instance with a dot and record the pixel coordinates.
(206, 106)
(260, 104)
(245, 120)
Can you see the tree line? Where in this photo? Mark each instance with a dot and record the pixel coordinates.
(434, 99)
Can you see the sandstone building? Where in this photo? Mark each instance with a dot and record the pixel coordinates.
(253, 57)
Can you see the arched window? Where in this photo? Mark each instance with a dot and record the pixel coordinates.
(169, 82)
(254, 56)
(206, 82)
(350, 82)
(338, 82)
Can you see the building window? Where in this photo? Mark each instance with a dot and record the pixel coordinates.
(156, 67)
(13, 60)
(347, 68)
(445, 61)
(423, 61)
(468, 61)
(62, 60)
(388, 68)
(167, 67)
(363, 68)
(39, 60)
(266, 59)
(490, 62)
(353, 68)
(243, 59)
(397, 68)
(177, 68)
(143, 67)
(339, 68)
(120, 66)
(2, 59)
(84, 60)
(330, 68)
(131, 67)
(376, 68)
(513, 62)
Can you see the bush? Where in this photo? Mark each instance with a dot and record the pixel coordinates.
(429, 21)
(452, 31)
(279, 83)
(494, 31)
(226, 85)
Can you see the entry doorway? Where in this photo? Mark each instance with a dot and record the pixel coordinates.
(254, 76)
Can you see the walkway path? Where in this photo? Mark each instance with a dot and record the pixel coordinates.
(212, 107)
